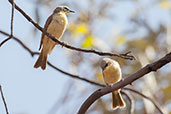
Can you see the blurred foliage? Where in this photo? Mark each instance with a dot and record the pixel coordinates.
(80, 29)
(165, 4)
(119, 26)
(88, 42)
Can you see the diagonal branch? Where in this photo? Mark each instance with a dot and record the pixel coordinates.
(12, 21)
(3, 99)
(103, 91)
(125, 55)
(73, 75)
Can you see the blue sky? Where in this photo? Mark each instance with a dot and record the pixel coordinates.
(26, 90)
(33, 91)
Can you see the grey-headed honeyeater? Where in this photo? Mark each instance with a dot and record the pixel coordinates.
(112, 74)
(55, 25)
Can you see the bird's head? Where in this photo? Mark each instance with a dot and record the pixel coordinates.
(63, 9)
(105, 63)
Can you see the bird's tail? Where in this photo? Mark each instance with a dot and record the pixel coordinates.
(41, 61)
(117, 101)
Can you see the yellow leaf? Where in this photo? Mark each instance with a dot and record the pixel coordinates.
(78, 29)
(121, 40)
(82, 28)
(88, 42)
(167, 92)
(165, 4)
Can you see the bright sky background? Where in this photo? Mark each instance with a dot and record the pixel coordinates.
(28, 90)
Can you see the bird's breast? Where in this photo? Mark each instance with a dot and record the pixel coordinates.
(61, 18)
(112, 75)
(56, 28)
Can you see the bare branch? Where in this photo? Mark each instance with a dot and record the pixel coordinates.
(3, 98)
(5, 40)
(125, 56)
(103, 91)
(74, 76)
(130, 99)
(12, 21)
(141, 94)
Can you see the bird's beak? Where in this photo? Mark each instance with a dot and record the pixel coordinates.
(70, 11)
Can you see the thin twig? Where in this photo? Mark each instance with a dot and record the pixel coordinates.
(141, 94)
(5, 40)
(143, 71)
(12, 21)
(125, 56)
(3, 99)
(69, 74)
(74, 76)
(131, 101)
(12, 17)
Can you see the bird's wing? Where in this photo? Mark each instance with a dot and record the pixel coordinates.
(45, 27)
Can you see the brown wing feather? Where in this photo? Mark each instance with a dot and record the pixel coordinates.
(45, 27)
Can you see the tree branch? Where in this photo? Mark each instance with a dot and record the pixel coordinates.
(125, 55)
(3, 99)
(103, 91)
(12, 21)
(75, 76)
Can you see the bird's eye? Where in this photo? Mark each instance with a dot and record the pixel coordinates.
(65, 9)
(106, 65)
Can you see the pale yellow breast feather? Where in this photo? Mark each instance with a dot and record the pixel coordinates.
(61, 18)
(58, 25)
(112, 74)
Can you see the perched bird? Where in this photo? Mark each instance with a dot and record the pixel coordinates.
(112, 74)
(55, 25)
